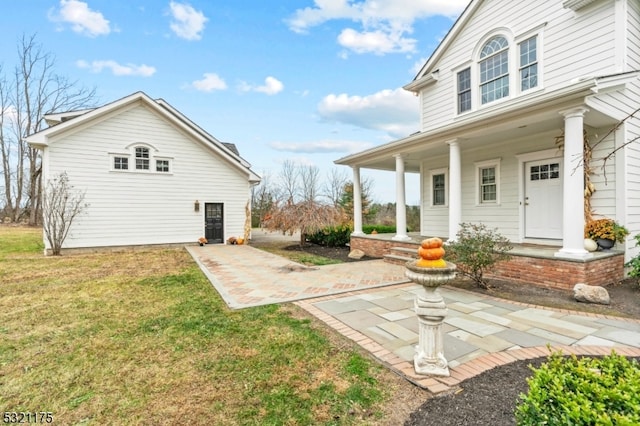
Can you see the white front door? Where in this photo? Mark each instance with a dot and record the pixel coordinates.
(543, 198)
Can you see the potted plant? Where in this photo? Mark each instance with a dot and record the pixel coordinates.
(202, 241)
(605, 232)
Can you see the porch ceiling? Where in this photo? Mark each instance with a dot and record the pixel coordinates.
(479, 136)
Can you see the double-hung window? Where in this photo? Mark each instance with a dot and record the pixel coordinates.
(142, 158)
(439, 187)
(528, 63)
(464, 90)
(488, 182)
(494, 70)
(488, 188)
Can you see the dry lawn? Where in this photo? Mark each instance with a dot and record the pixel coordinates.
(141, 337)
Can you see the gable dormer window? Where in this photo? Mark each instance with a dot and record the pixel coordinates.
(494, 70)
(502, 65)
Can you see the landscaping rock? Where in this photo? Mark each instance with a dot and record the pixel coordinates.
(591, 294)
(356, 254)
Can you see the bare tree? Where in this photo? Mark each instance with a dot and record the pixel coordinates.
(288, 179)
(62, 204)
(262, 199)
(299, 208)
(6, 150)
(309, 182)
(33, 90)
(305, 216)
(334, 185)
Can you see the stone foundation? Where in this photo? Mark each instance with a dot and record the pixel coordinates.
(561, 273)
(378, 246)
(545, 271)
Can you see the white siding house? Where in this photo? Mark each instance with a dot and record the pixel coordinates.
(506, 81)
(150, 175)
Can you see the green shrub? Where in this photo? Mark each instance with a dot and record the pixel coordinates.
(380, 229)
(476, 249)
(332, 236)
(634, 264)
(585, 391)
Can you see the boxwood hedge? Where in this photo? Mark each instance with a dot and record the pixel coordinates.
(582, 391)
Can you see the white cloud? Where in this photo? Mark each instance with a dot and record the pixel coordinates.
(323, 146)
(384, 23)
(187, 23)
(392, 111)
(82, 19)
(9, 115)
(378, 42)
(117, 69)
(209, 83)
(271, 86)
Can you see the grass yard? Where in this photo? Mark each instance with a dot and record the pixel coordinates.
(141, 337)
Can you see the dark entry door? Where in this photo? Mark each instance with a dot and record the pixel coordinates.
(213, 221)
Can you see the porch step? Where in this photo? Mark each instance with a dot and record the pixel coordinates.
(400, 255)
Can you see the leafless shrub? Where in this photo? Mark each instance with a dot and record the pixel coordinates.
(62, 204)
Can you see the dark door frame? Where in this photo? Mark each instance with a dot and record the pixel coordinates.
(214, 222)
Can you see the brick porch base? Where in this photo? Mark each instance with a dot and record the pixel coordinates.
(539, 266)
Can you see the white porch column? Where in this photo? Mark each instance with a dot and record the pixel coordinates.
(401, 205)
(455, 189)
(357, 203)
(573, 186)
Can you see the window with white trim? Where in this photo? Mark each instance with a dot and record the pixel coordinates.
(464, 90)
(121, 163)
(488, 182)
(142, 158)
(528, 63)
(162, 166)
(494, 70)
(503, 66)
(439, 187)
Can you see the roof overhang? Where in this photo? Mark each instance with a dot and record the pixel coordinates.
(514, 118)
(423, 78)
(72, 120)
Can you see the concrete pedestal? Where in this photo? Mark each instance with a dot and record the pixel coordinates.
(429, 358)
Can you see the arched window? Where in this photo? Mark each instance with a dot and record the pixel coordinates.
(142, 158)
(494, 70)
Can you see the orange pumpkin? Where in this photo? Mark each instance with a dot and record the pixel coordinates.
(439, 263)
(431, 253)
(431, 243)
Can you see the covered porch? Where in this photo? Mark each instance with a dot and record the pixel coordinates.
(529, 264)
(534, 190)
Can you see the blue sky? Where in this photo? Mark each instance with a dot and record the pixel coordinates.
(306, 81)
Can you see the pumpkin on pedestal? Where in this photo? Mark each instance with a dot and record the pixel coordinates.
(431, 254)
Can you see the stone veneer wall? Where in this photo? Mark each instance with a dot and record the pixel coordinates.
(545, 272)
